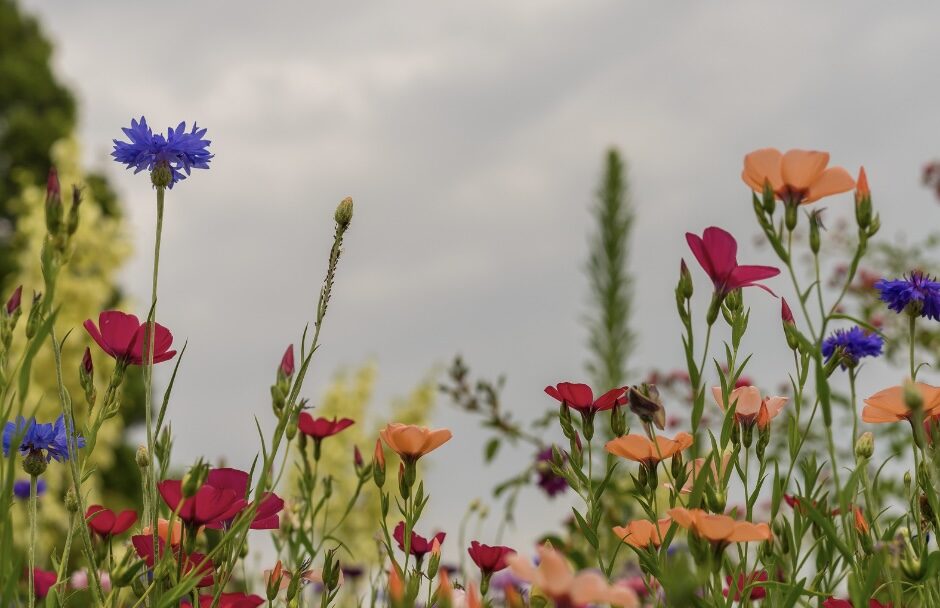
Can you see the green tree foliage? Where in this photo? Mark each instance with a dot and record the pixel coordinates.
(609, 337)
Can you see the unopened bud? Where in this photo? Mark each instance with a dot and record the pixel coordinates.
(142, 457)
(291, 431)
(13, 304)
(72, 222)
(358, 462)
(34, 464)
(286, 369)
(768, 198)
(71, 501)
(53, 203)
(34, 318)
(344, 213)
(685, 287)
(865, 446)
(814, 224)
(790, 216)
(862, 200)
(378, 464)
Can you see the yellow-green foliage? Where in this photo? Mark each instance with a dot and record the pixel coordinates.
(350, 396)
(85, 287)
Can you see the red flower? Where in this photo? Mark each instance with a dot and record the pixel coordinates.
(143, 544)
(756, 591)
(266, 517)
(43, 580)
(489, 559)
(785, 313)
(209, 505)
(231, 600)
(420, 546)
(716, 251)
(105, 523)
(122, 336)
(581, 398)
(287, 362)
(318, 428)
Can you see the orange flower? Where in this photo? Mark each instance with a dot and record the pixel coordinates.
(719, 529)
(396, 587)
(888, 405)
(163, 531)
(797, 176)
(640, 449)
(473, 597)
(282, 577)
(749, 406)
(554, 578)
(861, 186)
(715, 472)
(642, 533)
(861, 524)
(412, 442)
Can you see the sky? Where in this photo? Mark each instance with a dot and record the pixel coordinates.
(471, 137)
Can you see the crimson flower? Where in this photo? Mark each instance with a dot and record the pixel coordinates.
(716, 250)
(489, 559)
(420, 546)
(287, 362)
(143, 544)
(756, 591)
(580, 397)
(104, 522)
(43, 580)
(123, 337)
(209, 505)
(319, 428)
(266, 517)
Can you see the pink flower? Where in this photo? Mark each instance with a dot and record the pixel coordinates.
(320, 428)
(716, 251)
(105, 523)
(122, 336)
(581, 398)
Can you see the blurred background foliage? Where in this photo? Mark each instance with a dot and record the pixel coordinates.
(37, 130)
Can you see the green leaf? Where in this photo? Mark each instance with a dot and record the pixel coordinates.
(491, 449)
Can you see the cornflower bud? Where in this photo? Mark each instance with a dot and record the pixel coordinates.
(71, 502)
(142, 457)
(865, 446)
(53, 203)
(161, 176)
(344, 213)
(378, 465)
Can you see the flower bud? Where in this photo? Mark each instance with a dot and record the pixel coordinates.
(865, 446)
(814, 224)
(71, 501)
(286, 369)
(790, 216)
(618, 422)
(53, 203)
(646, 403)
(768, 198)
(685, 287)
(358, 462)
(34, 464)
(378, 464)
(435, 560)
(291, 430)
(331, 571)
(86, 377)
(35, 316)
(564, 419)
(72, 221)
(273, 586)
(862, 200)
(13, 304)
(142, 457)
(344, 213)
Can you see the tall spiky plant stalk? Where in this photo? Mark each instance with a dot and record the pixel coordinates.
(611, 286)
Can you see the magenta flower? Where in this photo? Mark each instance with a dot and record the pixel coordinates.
(580, 397)
(716, 251)
(266, 517)
(123, 337)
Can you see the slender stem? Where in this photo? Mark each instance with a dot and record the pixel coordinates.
(796, 286)
(912, 328)
(151, 515)
(32, 539)
(852, 404)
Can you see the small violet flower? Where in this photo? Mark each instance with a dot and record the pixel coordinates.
(178, 152)
(917, 294)
(854, 344)
(21, 488)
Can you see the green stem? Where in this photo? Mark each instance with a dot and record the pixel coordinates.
(32, 539)
(912, 326)
(151, 515)
(853, 405)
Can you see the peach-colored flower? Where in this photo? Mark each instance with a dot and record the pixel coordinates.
(861, 524)
(445, 590)
(715, 472)
(412, 442)
(279, 573)
(748, 404)
(473, 597)
(719, 528)
(888, 405)
(396, 587)
(796, 176)
(553, 577)
(163, 531)
(642, 533)
(861, 185)
(640, 449)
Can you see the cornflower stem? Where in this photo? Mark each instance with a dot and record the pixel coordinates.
(912, 328)
(60, 575)
(151, 515)
(33, 479)
(852, 404)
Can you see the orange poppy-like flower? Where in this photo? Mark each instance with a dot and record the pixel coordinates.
(412, 442)
(554, 578)
(715, 471)
(888, 405)
(642, 533)
(749, 406)
(796, 176)
(719, 529)
(163, 531)
(640, 449)
(861, 524)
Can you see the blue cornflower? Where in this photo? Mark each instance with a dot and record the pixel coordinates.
(46, 439)
(918, 294)
(179, 151)
(854, 343)
(21, 488)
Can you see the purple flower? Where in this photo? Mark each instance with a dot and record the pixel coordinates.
(550, 483)
(854, 344)
(917, 294)
(179, 151)
(47, 439)
(21, 488)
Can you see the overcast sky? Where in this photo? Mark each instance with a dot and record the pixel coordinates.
(471, 137)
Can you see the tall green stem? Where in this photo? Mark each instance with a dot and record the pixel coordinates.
(912, 328)
(32, 539)
(148, 387)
